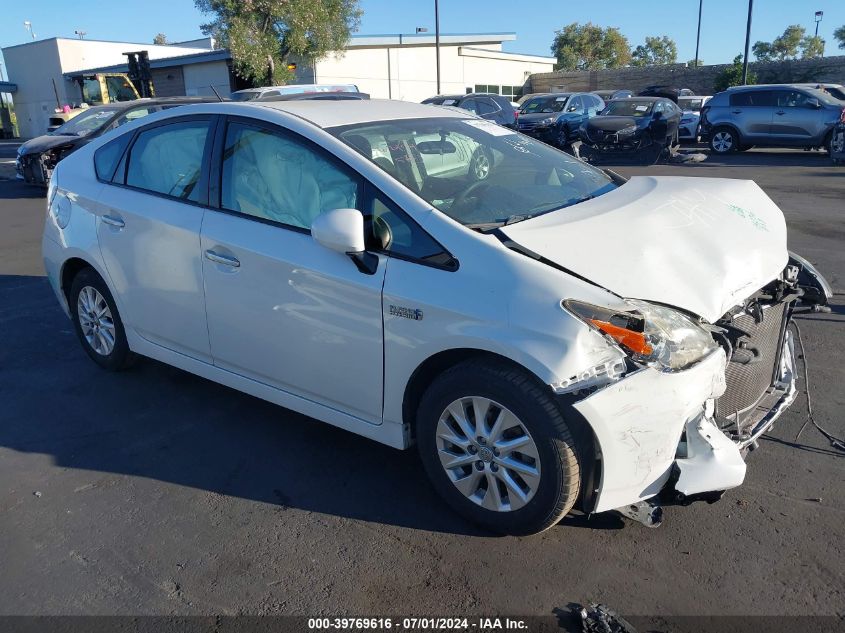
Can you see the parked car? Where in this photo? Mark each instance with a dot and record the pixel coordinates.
(668, 92)
(607, 95)
(488, 106)
(269, 93)
(772, 115)
(688, 129)
(37, 158)
(514, 328)
(555, 118)
(837, 91)
(837, 141)
(319, 96)
(631, 125)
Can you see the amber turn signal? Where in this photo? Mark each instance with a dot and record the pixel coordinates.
(634, 341)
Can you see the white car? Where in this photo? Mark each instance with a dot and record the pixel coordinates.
(689, 129)
(551, 336)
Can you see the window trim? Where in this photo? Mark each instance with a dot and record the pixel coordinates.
(123, 163)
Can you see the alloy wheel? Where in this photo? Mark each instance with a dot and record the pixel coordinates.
(95, 319)
(488, 454)
(723, 141)
(481, 166)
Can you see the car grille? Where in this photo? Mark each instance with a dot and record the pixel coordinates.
(526, 125)
(748, 382)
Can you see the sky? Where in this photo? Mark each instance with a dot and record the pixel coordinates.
(722, 27)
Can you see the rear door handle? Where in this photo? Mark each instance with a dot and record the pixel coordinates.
(780, 112)
(736, 111)
(217, 258)
(114, 221)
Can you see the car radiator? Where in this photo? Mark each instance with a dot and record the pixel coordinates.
(750, 372)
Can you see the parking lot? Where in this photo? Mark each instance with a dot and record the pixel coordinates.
(153, 491)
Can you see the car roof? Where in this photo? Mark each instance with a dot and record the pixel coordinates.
(326, 114)
(767, 86)
(652, 99)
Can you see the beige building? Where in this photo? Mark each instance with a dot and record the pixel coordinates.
(404, 66)
(42, 71)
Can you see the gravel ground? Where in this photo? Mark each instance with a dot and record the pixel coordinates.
(156, 492)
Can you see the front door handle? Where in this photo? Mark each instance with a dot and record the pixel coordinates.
(217, 258)
(780, 112)
(114, 221)
(736, 111)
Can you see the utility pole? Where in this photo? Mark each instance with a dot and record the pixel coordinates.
(747, 43)
(437, 41)
(698, 35)
(819, 16)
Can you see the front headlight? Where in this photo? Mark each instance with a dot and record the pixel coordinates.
(627, 131)
(650, 334)
(545, 122)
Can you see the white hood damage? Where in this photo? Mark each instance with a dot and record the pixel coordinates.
(699, 244)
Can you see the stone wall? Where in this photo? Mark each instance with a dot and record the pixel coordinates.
(824, 69)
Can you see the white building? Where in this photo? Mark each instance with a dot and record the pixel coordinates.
(385, 66)
(41, 70)
(404, 66)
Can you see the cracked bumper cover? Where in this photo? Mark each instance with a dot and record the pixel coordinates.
(651, 423)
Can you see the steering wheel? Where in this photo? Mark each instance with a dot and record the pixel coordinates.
(461, 199)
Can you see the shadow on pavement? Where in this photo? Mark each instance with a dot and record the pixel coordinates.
(161, 423)
(15, 189)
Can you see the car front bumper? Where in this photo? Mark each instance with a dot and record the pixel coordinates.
(658, 431)
(688, 131)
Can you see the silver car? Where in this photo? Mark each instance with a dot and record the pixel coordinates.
(770, 115)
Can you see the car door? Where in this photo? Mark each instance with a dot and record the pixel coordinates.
(148, 230)
(796, 120)
(576, 112)
(751, 111)
(282, 309)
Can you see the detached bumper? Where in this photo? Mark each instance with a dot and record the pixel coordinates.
(654, 428)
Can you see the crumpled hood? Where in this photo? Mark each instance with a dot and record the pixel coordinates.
(615, 123)
(700, 244)
(41, 144)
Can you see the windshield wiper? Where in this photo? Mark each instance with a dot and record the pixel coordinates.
(487, 226)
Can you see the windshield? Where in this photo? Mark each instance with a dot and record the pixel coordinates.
(246, 96)
(544, 104)
(628, 107)
(89, 121)
(481, 174)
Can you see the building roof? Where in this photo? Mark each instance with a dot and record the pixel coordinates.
(163, 62)
(427, 39)
(328, 114)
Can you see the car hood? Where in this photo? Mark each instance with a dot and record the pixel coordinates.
(699, 244)
(615, 123)
(43, 143)
(539, 116)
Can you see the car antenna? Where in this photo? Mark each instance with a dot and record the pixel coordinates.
(216, 94)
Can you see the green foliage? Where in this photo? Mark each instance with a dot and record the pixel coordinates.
(263, 35)
(657, 51)
(160, 39)
(812, 46)
(590, 47)
(732, 76)
(691, 63)
(839, 36)
(788, 45)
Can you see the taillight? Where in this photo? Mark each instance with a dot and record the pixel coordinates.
(842, 116)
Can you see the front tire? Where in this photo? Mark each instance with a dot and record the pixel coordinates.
(479, 165)
(497, 449)
(724, 140)
(97, 321)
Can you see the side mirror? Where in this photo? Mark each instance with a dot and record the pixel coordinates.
(342, 231)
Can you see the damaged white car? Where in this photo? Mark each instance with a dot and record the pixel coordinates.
(551, 336)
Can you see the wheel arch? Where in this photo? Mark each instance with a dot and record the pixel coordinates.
(70, 269)
(731, 126)
(587, 445)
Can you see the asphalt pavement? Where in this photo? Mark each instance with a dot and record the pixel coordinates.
(153, 491)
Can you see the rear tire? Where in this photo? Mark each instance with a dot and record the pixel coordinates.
(97, 321)
(523, 490)
(724, 140)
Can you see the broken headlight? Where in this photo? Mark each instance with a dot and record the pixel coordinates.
(650, 334)
(627, 131)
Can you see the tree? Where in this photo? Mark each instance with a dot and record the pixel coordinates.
(784, 46)
(160, 39)
(691, 63)
(812, 46)
(732, 76)
(839, 36)
(590, 47)
(657, 51)
(263, 35)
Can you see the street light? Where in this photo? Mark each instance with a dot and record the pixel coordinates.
(819, 16)
(81, 33)
(437, 41)
(747, 43)
(422, 29)
(28, 26)
(698, 35)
